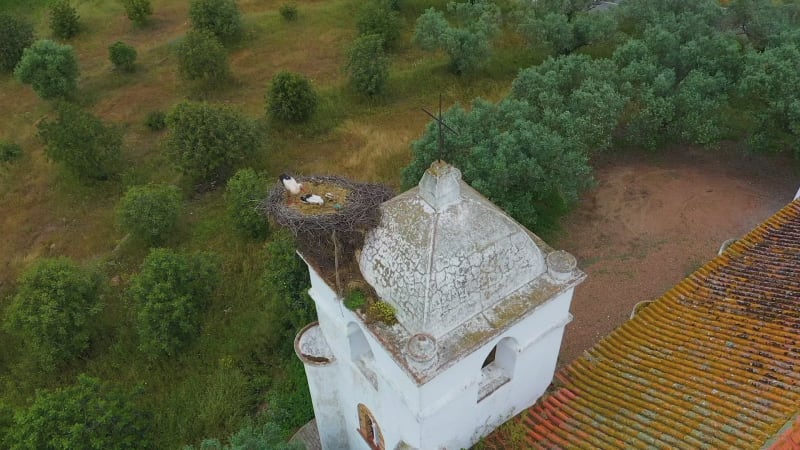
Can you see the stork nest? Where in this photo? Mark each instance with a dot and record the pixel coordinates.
(341, 223)
(358, 211)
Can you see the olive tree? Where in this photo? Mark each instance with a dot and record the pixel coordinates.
(219, 17)
(202, 57)
(527, 168)
(63, 19)
(50, 68)
(138, 11)
(574, 95)
(469, 44)
(291, 97)
(245, 190)
(15, 36)
(150, 212)
(82, 143)
(207, 142)
(53, 310)
(171, 293)
(377, 17)
(123, 56)
(368, 65)
(565, 25)
(769, 83)
(88, 415)
(285, 284)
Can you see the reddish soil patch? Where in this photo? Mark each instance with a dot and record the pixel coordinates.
(653, 219)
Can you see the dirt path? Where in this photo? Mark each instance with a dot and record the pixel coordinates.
(652, 220)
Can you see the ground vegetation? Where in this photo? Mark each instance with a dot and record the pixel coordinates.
(670, 75)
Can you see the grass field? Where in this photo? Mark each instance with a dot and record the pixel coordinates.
(223, 378)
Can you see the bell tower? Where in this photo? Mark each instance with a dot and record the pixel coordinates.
(481, 305)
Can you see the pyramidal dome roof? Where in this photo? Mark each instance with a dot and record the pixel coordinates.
(443, 253)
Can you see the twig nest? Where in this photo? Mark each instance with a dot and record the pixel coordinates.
(349, 206)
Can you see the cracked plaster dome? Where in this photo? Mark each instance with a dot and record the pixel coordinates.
(444, 253)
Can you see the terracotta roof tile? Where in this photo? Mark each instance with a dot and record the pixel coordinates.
(713, 363)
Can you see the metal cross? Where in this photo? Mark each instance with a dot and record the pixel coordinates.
(440, 121)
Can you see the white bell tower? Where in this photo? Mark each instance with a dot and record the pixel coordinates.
(481, 305)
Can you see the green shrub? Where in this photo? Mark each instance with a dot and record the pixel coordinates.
(289, 399)
(469, 42)
(123, 56)
(382, 312)
(354, 300)
(50, 68)
(150, 212)
(202, 57)
(246, 189)
(268, 436)
(219, 17)
(378, 17)
(291, 97)
(207, 142)
(171, 293)
(63, 19)
(289, 12)
(156, 120)
(87, 415)
(9, 151)
(15, 36)
(285, 284)
(368, 65)
(53, 310)
(82, 143)
(138, 11)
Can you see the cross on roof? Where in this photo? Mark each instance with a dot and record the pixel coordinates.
(440, 121)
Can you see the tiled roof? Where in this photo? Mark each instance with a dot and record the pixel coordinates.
(713, 363)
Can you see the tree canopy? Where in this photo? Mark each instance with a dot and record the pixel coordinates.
(50, 68)
(769, 82)
(285, 282)
(150, 212)
(467, 40)
(86, 415)
(171, 292)
(206, 142)
(368, 65)
(291, 97)
(82, 143)
(53, 310)
(16, 35)
(219, 17)
(530, 170)
(244, 193)
(201, 57)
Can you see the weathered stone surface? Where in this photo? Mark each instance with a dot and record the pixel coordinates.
(441, 264)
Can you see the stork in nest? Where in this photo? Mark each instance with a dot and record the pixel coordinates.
(293, 188)
(312, 199)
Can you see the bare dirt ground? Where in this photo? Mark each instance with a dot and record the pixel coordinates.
(653, 219)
